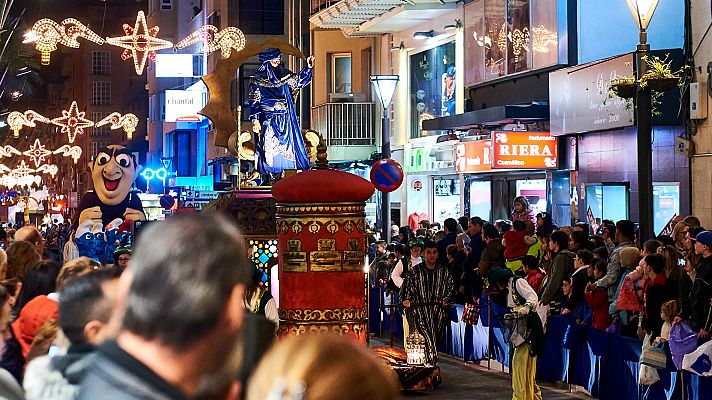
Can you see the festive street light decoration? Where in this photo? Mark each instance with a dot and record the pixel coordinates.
(70, 151)
(48, 169)
(213, 39)
(149, 174)
(16, 120)
(73, 122)
(46, 34)
(37, 153)
(128, 122)
(8, 151)
(139, 43)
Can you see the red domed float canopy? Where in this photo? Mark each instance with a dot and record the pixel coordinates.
(322, 186)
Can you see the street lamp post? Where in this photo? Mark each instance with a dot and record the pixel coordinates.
(642, 11)
(385, 86)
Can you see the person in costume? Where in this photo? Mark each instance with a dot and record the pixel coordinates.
(427, 293)
(527, 332)
(113, 171)
(273, 92)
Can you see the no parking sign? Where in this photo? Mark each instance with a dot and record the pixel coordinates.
(386, 175)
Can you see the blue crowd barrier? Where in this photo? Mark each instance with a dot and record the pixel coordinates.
(605, 365)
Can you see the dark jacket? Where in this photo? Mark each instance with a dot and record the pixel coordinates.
(442, 247)
(578, 285)
(492, 256)
(116, 375)
(699, 300)
(561, 266)
(658, 292)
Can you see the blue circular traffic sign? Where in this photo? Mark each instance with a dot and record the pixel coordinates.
(386, 175)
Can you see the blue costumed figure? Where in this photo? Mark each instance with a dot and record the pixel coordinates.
(273, 90)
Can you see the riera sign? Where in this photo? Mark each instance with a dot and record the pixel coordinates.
(473, 156)
(530, 150)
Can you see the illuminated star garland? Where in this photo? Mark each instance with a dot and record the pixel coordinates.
(139, 43)
(37, 153)
(128, 122)
(73, 122)
(70, 151)
(16, 120)
(47, 34)
(213, 39)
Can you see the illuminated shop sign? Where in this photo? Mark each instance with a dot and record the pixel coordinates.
(519, 150)
(473, 156)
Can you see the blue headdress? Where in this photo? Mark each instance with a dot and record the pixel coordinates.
(269, 54)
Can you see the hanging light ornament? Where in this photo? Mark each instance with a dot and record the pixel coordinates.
(128, 122)
(139, 43)
(16, 120)
(70, 151)
(213, 39)
(73, 122)
(8, 151)
(48, 169)
(37, 153)
(47, 33)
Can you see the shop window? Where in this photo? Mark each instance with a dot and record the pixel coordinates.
(534, 190)
(184, 149)
(666, 204)
(505, 37)
(481, 199)
(608, 201)
(446, 201)
(340, 73)
(432, 85)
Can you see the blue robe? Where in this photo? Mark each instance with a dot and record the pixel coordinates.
(280, 144)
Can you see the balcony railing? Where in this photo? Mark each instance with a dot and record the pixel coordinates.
(318, 5)
(345, 124)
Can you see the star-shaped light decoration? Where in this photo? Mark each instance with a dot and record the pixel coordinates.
(140, 43)
(37, 153)
(73, 122)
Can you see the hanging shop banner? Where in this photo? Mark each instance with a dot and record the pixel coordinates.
(475, 156)
(524, 150)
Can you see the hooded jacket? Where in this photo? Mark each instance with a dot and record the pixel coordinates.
(562, 265)
(57, 378)
(492, 256)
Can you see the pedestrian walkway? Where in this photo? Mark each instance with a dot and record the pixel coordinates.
(469, 381)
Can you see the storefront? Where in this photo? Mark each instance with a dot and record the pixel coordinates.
(433, 187)
(518, 164)
(603, 129)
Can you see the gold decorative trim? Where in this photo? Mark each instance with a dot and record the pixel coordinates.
(341, 209)
(357, 329)
(314, 225)
(353, 315)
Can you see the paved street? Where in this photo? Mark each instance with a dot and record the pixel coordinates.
(462, 381)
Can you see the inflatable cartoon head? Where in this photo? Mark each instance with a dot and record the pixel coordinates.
(113, 172)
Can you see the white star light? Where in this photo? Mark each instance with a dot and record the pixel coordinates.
(37, 153)
(140, 42)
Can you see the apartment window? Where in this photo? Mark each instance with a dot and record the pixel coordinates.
(166, 4)
(262, 17)
(100, 63)
(95, 146)
(104, 130)
(100, 93)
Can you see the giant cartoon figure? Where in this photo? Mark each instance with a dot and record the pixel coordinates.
(113, 172)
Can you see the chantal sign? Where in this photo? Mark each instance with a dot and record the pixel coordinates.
(530, 150)
(473, 156)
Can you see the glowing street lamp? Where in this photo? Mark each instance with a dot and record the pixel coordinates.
(642, 11)
(385, 86)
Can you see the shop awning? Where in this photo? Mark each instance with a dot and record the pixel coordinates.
(492, 116)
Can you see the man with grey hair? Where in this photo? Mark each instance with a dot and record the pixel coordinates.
(182, 316)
